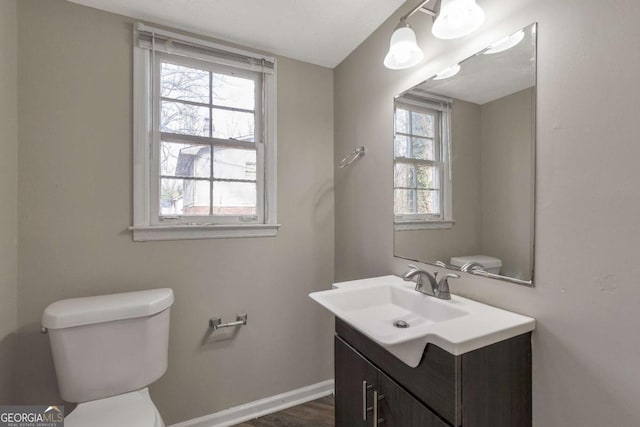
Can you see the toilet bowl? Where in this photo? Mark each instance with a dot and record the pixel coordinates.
(133, 409)
(106, 351)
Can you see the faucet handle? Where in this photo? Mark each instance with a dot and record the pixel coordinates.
(445, 279)
(443, 286)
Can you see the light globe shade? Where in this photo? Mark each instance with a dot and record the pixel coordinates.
(457, 18)
(505, 43)
(404, 51)
(448, 72)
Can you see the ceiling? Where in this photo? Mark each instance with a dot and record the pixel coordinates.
(485, 78)
(320, 32)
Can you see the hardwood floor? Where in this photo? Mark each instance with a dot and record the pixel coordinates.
(318, 413)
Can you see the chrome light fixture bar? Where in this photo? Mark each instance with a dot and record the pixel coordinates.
(456, 18)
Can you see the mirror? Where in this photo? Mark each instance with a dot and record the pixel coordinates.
(464, 163)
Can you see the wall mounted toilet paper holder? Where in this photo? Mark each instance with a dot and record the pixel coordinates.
(216, 322)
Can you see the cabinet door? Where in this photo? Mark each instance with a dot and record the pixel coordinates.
(398, 408)
(355, 381)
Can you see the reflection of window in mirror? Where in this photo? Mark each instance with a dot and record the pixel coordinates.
(422, 175)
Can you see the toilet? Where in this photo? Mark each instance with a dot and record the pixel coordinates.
(106, 351)
(490, 264)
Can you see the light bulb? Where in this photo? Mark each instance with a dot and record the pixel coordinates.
(457, 18)
(404, 51)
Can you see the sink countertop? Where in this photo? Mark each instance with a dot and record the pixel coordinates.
(466, 325)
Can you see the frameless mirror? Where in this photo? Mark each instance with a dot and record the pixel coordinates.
(464, 163)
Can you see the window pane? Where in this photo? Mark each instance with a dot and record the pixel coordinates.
(184, 83)
(416, 176)
(401, 145)
(230, 91)
(233, 124)
(428, 202)
(185, 160)
(422, 148)
(404, 175)
(408, 202)
(402, 120)
(234, 198)
(184, 197)
(185, 119)
(422, 124)
(234, 163)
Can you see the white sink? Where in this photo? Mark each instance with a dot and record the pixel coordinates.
(458, 325)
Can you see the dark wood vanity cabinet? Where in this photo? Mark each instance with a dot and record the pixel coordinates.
(357, 378)
(488, 387)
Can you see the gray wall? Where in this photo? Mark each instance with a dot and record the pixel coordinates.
(75, 177)
(8, 195)
(586, 299)
(507, 136)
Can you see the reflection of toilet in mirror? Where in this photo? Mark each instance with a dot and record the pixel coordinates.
(488, 263)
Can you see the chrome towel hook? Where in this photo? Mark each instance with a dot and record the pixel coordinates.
(355, 154)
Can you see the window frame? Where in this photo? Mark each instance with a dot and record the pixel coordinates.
(442, 147)
(156, 217)
(149, 224)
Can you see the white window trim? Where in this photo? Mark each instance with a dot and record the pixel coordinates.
(145, 225)
(423, 225)
(424, 221)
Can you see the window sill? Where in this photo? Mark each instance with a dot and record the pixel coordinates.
(149, 233)
(423, 225)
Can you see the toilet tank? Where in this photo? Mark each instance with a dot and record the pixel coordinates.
(109, 344)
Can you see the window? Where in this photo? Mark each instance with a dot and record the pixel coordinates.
(422, 180)
(204, 139)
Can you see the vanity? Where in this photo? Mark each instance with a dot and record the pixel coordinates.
(415, 354)
(454, 363)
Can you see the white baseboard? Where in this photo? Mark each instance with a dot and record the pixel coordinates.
(259, 408)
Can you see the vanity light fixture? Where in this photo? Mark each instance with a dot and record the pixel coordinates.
(404, 51)
(447, 72)
(505, 43)
(456, 18)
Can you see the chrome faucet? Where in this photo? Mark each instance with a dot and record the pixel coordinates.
(472, 265)
(435, 288)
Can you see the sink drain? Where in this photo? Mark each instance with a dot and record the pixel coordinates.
(400, 324)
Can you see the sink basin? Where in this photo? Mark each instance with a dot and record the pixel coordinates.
(374, 309)
(390, 312)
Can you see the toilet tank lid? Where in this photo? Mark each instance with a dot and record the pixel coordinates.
(484, 260)
(105, 308)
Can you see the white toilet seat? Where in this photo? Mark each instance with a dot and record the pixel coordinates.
(133, 409)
